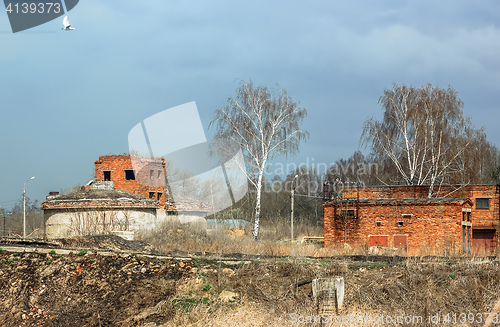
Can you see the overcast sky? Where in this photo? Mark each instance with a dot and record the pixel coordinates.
(68, 97)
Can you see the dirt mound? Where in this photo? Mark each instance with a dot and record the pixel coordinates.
(122, 289)
(106, 242)
(50, 289)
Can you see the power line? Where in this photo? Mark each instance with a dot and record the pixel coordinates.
(308, 196)
(10, 201)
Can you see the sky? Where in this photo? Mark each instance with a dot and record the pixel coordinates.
(68, 97)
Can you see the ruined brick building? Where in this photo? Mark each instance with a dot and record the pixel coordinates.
(124, 195)
(148, 180)
(458, 219)
(145, 177)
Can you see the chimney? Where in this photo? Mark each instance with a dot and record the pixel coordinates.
(52, 195)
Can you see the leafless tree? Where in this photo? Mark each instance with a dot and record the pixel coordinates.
(94, 222)
(265, 123)
(426, 136)
(491, 166)
(357, 168)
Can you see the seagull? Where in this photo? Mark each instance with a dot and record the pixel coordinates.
(66, 24)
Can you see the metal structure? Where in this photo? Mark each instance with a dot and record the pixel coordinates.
(345, 197)
(328, 295)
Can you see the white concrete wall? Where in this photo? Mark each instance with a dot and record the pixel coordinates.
(188, 217)
(70, 222)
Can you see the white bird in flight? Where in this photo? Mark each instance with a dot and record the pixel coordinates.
(66, 24)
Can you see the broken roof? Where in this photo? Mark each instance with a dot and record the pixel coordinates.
(99, 197)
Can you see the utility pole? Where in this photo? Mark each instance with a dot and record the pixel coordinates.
(24, 207)
(3, 213)
(291, 213)
(24, 213)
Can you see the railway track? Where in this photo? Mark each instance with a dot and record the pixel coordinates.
(44, 246)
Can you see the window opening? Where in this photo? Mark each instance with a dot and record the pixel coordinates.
(482, 203)
(129, 174)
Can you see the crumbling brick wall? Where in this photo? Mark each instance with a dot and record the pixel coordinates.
(148, 179)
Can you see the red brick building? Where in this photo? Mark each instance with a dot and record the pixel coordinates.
(144, 177)
(464, 219)
(147, 179)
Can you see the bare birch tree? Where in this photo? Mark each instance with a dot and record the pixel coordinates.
(426, 136)
(264, 123)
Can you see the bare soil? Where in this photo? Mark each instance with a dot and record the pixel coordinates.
(131, 285)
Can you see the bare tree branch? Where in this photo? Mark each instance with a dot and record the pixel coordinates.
(426, 136)
(264, 123)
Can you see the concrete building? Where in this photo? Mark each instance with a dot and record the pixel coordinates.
(458, 218)
(97, 211)
(122, 197)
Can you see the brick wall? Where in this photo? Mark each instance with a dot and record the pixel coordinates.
(430, 223)
(483, 217)
(426, 225)
(149, 175)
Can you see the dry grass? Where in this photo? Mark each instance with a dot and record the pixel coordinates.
(407, 290)
(426, 286)
(274, 240)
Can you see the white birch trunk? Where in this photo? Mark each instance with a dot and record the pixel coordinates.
(257, 206)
